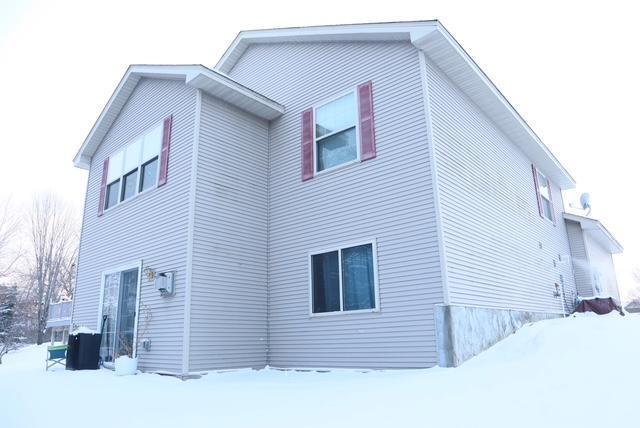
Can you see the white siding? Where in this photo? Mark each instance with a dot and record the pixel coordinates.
(229, 279)
(389, 198)
(579, 259)
(602, 269)
(151, 227)
(499, 252)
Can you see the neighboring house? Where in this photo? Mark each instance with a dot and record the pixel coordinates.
(633, 307)
(591, 248)
(340, 196)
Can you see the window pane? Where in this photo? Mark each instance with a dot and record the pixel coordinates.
(113, 190)
(326, 283)
(149, 176)
(129, 183)
(109, 309)
(546, 208)
(543, 185)
(152, 143)
(357, 278)
(336, 115)
(337, 149)
(132, 155)
(115, 167)
(126, 312)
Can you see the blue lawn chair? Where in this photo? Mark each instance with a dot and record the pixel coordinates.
(56, 355)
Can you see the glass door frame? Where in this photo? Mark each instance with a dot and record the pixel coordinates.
(127, 267)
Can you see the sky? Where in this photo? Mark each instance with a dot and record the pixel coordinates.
(569, 68)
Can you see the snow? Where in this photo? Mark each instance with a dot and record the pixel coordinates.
(580, 370)
(83, 330)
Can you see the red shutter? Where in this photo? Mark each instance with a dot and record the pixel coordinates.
(367, 129)
(307, 144)
(103, 186)
(553, 211)
(164, 153)
(535, 182)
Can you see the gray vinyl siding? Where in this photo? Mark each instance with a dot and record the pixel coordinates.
(229, 279)
(579, 259)
(151, 226)
(499, 252)
(602, 269)
(389, 199)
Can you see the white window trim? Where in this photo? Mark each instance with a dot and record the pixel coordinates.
(140, 163)
(322, 103)
(339, 248)
(129, 266)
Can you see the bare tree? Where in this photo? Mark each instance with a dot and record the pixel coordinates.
(9, 226)
(50, 261)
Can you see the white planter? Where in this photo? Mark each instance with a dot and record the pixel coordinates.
(126, 366)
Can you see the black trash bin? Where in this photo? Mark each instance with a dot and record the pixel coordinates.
(83, 352)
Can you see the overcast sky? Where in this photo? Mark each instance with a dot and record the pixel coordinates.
(571, 70)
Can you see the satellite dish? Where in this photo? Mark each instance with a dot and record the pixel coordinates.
(585, 201)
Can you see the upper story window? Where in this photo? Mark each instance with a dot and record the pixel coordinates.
(335, 132)
(338, 132)
(544, 195)
(344, 280)
(135, 168)
(545, 192)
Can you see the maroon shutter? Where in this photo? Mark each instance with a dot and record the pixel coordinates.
(103, 186)
(367, 129)
(307, 144)
(164, 153)
(553, 212)
(535, 182)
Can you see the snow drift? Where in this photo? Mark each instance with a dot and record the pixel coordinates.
(557, 373)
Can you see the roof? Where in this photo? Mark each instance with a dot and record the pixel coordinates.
(633, 305)
(440, 46)
(597, 231)
(210, 81)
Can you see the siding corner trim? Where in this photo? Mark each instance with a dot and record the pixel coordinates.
(434, 176)
(186, 337)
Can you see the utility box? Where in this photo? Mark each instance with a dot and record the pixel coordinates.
(164, 283)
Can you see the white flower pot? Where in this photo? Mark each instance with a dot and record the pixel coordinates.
(126, 366)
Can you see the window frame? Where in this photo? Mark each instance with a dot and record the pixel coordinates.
(138, 168)
(339, 248)
(549, 199)
(323, 103)
(137, 264)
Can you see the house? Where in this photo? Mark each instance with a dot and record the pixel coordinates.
(633, 307)
(591, 248)
(339, 196)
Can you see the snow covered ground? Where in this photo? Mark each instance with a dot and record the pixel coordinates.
(580, 371)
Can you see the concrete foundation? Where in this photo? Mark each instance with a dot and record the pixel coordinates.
(465, 331)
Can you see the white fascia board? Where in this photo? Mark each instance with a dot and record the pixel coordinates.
(197, 76)
(468, 75)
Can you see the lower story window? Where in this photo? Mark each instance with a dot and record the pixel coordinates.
(344, 279)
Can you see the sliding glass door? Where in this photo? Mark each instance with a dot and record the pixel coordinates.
(119, 300)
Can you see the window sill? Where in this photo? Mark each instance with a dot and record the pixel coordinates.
(126, 202)
(344, 166)
(338, 313)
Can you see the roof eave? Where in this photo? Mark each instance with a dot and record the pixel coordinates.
(426, 36)
(197, 76)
